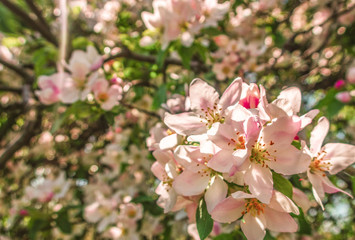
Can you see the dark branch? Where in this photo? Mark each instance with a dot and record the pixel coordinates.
(34, 25)
(10, 89)
(126, 53)
(38, 14)
(153, 114)
(29, 130)
(18, 70)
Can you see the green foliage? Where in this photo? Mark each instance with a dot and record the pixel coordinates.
(282, 185)
(44, 59)
(329, 104)
(63, 222)
(204, 221)
(160, 97)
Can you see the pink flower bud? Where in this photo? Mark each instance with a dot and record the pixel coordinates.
(343, 97)
(221, 40)
(116, 81)
(339, 84)
(23, 212)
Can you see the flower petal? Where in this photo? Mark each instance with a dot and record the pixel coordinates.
(294, 97)
(253, 227)
(289, 159)
(329, 187)
(185, 123)
(317, 187)
(307, 118)
(341, 156)
(318, 134)
(279, 221)
(260, 182)
(190, 183)
(232, 94)
(215, 193)
(228, 210)
(282, 203)
(202, 95)
(222, 161)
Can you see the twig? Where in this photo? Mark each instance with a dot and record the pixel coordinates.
(34, 25)
(126, 53)
(153, 114)
(18, 70)
(29, 130)
(38, 13)
(10, 89)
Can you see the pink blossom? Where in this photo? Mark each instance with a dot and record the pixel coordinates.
(224, 69)
(165, 170)
(50, 88)
(257, 216)
(196, 177)
(234, 138)
(343, 97)
(213, 12)
(273, 150)
(350, 75)
(107, 96)
(332, 158)
(48, 189)
(206, 108)
(103, 211)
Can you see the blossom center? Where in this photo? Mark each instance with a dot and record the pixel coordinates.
(320, 164)
(226, 70)
(212, 115)
(102, 96)
(237, 142)
(254, 207)
(260, 154)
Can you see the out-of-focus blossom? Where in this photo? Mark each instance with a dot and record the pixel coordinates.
(339, 84)
(47, 189)
(343, 97)
(50, 88)
(350, 75)
(107, 96)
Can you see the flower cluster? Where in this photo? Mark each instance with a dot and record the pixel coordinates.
(84, 78)
(234, 55)
(232, 152)
(183, 19)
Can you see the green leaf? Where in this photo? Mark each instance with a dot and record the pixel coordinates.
(231, 236)
(186, 55)
(160, 97)
(80, 43)
(282, 185)
(62, 221)
(204, 221)
(304, 225)
(161, 58)
(296, 144)
(329, 104)
(353, 183)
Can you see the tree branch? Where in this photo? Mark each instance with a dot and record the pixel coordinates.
(29, 130)
(126, 53)
(34, 25)
(10, 89)
(18, 70)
